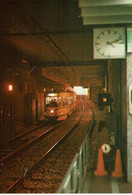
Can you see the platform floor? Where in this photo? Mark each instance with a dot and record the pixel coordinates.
(105, 184)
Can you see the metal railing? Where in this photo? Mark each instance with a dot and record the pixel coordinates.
(74, 179)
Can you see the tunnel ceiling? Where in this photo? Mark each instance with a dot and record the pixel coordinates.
(50, 36)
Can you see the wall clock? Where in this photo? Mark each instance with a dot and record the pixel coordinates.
(109, 43)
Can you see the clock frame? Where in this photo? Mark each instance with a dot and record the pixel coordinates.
(109, 43)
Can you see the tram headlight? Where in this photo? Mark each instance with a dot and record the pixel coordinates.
(52, 111)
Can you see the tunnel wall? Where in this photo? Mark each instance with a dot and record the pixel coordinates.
(117, 87)
(94, 93)
(123, 140)
(25, 104)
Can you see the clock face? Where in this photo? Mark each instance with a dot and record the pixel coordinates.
(109, 43)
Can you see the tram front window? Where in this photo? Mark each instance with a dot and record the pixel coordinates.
(52, 103)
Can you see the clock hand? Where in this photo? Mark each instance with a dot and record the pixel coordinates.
(109, 43)
(114, 41)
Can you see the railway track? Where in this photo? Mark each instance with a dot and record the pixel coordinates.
(17, 144)
(33, 158)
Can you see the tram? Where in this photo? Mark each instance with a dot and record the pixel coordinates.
(60, 105)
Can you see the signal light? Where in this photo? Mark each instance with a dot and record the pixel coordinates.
(104, 99)
(10, 87)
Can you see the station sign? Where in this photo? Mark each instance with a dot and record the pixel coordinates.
(105, 148)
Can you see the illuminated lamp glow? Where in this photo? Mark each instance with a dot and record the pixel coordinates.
(52, 94)
(10, 87)
(80, 90)
(104, 89)
(104, 99)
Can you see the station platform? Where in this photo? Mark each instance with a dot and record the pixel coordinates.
(108, 183)
(105, 184)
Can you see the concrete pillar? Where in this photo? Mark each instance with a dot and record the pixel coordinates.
(129, 120)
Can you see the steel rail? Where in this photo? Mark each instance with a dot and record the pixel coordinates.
(31, 129)
(93, 117)
(92, 122)
(29, 143)
(19, 181)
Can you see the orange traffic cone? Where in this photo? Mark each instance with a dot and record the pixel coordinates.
(100, 166)
(118, 165)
